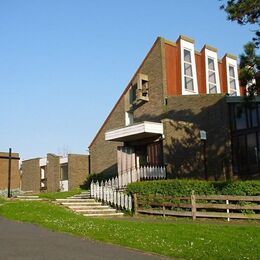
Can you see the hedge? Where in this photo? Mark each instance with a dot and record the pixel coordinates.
(185, 187)
(96, 177)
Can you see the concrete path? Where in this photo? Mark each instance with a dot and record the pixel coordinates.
(29, 242)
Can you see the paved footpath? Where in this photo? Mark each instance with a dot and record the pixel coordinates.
(30, 242)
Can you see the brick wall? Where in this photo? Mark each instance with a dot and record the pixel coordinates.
(103, 154)
(31, 175)
(183, 150)
(153, 68)
(53, 172)
(15, 173)
(78, 169)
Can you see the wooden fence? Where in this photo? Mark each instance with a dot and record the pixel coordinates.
(195, 206)
(141, 173)
(108, 193)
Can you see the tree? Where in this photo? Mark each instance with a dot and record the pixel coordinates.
(244, 12)
(250, 69)
(247, 12)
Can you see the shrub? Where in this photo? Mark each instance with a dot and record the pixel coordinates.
(185, 187)
(242, 188)
(96, 177)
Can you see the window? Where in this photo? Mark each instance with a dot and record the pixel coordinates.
(212, 82)
(129, 118)
(64, 172)
(245, 138)
(42, 172)
(232, 80)
(240, 116)
(132, 94)
(188, 74)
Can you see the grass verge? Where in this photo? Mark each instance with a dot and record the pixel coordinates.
(184, 239)
(59, 195)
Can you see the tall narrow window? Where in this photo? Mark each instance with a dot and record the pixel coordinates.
(188, 74)
(212, 82)
(132, 94)
(232, 80)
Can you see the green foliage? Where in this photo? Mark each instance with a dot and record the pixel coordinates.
(249, 69)
(244, 12)
(180, 238)
(185, 187)
(96, 177)
(242, 188)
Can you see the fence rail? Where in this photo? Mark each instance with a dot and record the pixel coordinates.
(230, 207)
(141, 173)
(108, 193)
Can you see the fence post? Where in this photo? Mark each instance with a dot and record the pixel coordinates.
(193, 205)
(227, 202)
(129, 202)
(163, 210)
(92, 189)
(135, 204)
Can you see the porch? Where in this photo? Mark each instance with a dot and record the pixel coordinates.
(141, 156)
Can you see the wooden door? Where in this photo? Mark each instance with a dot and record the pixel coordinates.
(125, 158)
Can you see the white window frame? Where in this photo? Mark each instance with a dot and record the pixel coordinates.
(214, 56)
(129, 118)
(185, 45)
(233, 63)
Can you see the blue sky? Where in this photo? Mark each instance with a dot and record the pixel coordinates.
(64, 63)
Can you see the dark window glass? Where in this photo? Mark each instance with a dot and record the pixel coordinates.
(240, 117)
(132, 94)
(252, 117)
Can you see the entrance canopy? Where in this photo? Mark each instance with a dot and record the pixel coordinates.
(135, 132)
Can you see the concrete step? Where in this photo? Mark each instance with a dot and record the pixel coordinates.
(36, 199)
(81, 203)
(75, 200)
(88, 207)
(27, 197)
(79, 197)
(116, 214)
(95, 211)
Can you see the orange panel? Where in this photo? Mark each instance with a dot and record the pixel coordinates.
(171, 74)
(224, 88)
(178, 68)
(201, 75)
(220, 72)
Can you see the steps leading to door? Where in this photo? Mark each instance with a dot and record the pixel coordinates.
(83, 204)
(28, 197)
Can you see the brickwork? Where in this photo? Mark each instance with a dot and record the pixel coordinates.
(153, 68)
(103, 154)
(78, 169)
(53, 173)
(31, 175)
(183, 150)
(15, 173)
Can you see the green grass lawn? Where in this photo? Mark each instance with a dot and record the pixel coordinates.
(175, 238)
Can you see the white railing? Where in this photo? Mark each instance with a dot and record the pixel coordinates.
(142, 173)
(108, 192)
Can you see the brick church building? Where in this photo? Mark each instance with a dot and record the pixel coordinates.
(183, 109)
